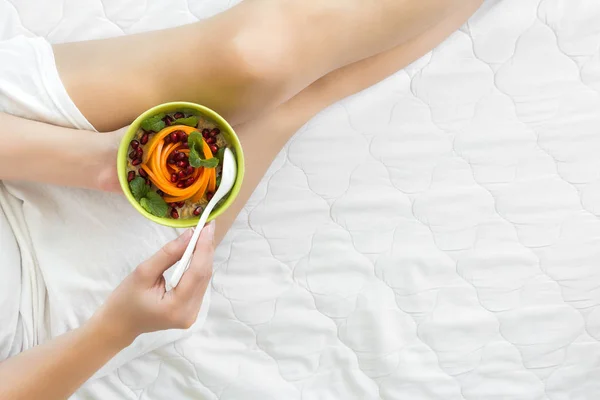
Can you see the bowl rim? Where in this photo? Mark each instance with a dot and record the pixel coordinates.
(168, 107)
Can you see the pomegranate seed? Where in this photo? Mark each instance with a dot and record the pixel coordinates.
(130, 176)
(140, 152)
(171, 158)
(197, 211)
(143, 173)
(168, 120)
(176, 135)
(147, 180)
(183, 137)
(182, 164)
(178, 115)
(214, 148)
(134, 144)
(189, 181)
(168, 139)
(215, 132)
(180, 185)
(174, 178)
(178, 156)
(211, 140)
(174, 214)
(186, 145)
(172, 205)
(189, 170)
(133, 154)
(144, 138)
(136, 162)
(209, 195)
(181, 175)
(205, 133)
(180, 204)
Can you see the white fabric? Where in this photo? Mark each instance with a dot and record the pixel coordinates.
(12, 333)
(434, 237)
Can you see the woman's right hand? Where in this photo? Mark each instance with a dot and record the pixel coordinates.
(140, 304)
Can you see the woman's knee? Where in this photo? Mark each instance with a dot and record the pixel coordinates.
(264, 50)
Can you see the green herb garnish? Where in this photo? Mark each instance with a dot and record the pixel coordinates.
(189, 121)
(139, 188)
(148, 199)
(196, 158)
(188, 111)
(154, 124)
(195, 143)
(221, 154)
(206, 163)
(155, 204)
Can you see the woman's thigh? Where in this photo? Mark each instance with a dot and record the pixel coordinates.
(264, 137)
(243, 62)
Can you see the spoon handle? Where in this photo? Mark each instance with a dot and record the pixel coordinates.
(183, 264)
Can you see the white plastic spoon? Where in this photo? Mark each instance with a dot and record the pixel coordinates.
(227, 180)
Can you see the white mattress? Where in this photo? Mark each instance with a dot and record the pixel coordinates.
(448, 248)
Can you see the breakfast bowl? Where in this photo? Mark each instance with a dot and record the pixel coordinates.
(169, 163)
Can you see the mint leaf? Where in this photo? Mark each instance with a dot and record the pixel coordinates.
(221, 154)
(197, 159)
(155, 204)
(196, 143)
(195, 137)
(194, 157)
(188, 111)
(189, 121)
(148, 199)
(139, 188)
(206, 163)
(154, 123)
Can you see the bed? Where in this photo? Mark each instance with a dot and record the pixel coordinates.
(448, 249)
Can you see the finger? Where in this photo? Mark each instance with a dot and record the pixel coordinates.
(195, 280)
(168, 255)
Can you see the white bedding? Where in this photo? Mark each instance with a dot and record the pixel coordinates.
(447, 249)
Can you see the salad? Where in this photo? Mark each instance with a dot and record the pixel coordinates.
(174, 163)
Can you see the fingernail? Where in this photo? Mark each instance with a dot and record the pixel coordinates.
(185, 236)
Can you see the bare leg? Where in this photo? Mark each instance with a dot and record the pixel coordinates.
(280, 124)
(244, 61)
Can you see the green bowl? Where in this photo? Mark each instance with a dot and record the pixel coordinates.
(227, 132)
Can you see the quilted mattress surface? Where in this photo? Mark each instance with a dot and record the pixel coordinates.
(449, 248)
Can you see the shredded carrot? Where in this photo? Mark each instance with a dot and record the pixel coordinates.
(159, 170)
(164, 166)
(156, 159)
(158, 181)
(212, 180)
(159, 137)
(202, 190)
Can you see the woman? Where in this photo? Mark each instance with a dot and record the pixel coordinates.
(267, 66)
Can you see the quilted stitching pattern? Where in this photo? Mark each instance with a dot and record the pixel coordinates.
(447, 248)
